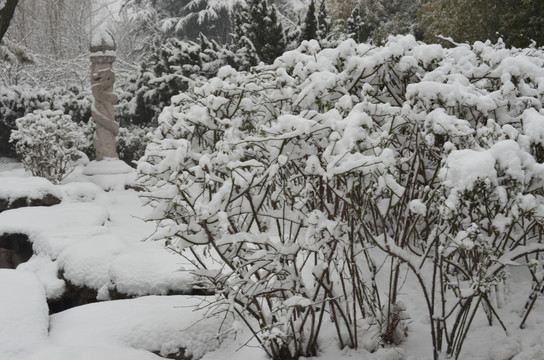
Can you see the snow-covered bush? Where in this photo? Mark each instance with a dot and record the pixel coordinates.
(47, 142)
(17, 101)
(299, 177)
(132, 141)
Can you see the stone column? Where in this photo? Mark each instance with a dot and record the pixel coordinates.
(102, 79)
(107, 161)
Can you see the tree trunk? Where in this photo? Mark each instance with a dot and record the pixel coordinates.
(6, 13)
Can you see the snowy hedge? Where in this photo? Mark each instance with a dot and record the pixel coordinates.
(298, 176)
(17, 101)
(47, 143)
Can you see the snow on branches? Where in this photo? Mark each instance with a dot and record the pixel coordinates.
(296, 174)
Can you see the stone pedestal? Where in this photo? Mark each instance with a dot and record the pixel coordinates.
(107, 166)
(110, 173)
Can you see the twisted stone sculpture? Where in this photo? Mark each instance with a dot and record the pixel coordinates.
(102, 79)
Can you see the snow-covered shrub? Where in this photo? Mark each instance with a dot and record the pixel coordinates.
(299, 177)
(236, 187)
(17, 101)
(132, 141)
(87, 145)
(47, 142)
(14, 102)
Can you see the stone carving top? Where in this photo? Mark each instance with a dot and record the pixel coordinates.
(102, 42)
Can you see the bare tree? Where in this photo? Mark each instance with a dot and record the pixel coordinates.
(6, 14)
(57, 33)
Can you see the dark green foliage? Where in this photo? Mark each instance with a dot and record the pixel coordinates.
(358, 29)
(184, 13)
(517, 22)
(374, 20)
(167, 73)
(309, 30)
(259, 23)
(323, 21)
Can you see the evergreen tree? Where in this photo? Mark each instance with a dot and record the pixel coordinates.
(397, 17)
(183, 19)
(167, 72)
(517, 22)
(309, 30)
(292, 35)
(356, 27)
(6, 13)
(246, 54)
(374, 15)
(375, 20)
(257, 24)
(274, 44)
(323, 22)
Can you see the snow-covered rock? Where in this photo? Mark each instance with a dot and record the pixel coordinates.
(51, 229)
(24, 314)
(154, 323)
(87, 262)
(151, 272)
(18, 192)
(47, 271)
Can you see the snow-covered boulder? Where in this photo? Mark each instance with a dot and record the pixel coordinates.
(87, 263)
(24, 316)
(16, 192)
(162, 324)
(91, 353)
(151, 272)
(47, 271)
(52, 229)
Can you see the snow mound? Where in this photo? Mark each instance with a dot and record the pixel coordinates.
(106, 261)
(23, 313)
(36, 220)
(535, 351)
(90, 353)
(151, 272)
(46, 270)
(153, 323)
(109, 182)
(81, 192)
(506, 350)
(51, 229)
(107, 166)
(12, 188)
(87, 262)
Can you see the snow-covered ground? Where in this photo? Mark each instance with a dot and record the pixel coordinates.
(97, 239)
